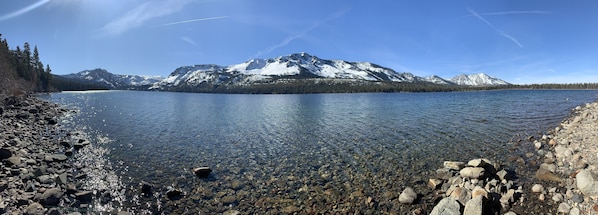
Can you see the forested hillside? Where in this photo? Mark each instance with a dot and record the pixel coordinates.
(21, 70)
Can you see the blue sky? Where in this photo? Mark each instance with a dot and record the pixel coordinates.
(522, 42)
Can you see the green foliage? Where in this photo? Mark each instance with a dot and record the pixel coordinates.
(23, 69)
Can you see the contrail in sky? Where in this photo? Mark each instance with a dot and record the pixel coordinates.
(516, 12)
(192, 20)
(24, 10)
(502, 33)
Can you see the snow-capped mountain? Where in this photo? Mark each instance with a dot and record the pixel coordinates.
(437, 80)
(294, 66)
(479, 79)
(114, 81)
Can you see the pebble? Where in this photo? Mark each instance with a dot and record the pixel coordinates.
(537, 188)
(564, 208)
(557, 197)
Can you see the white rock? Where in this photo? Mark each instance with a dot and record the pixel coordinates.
(477, 162)
(408, 196)
(557, 197)
(564, 208)
(537, 188)
(542, 197)
(472, 172)
(454, 165)
(586, 183)
(447, 206)
(473, 206)
(574, 211)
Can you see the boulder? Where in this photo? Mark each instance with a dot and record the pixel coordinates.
(472, 172)
(546, 175)
(84, 196)
(202, 172)
(474, 206)
(13, 161)
(586, 183)
(447, 206)
(434, 183)
(50, 197)
(174, 194)
(454, 165)
(408, 196)
(146, 188)
(34, 209)
(5, 153)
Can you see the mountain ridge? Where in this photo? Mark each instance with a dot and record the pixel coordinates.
(295, 69)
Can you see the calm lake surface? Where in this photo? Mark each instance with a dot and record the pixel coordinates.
(315, 152)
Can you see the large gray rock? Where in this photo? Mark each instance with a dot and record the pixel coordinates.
(408, 196)
(34, 209)
(447, 206)
(454, 165)
(50, 197)
(586, 183)
(474, 206)
(472, 172)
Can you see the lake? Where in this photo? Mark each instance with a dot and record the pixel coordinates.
(311, 152)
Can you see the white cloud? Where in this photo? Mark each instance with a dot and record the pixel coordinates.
(141, 14)
(23, 10)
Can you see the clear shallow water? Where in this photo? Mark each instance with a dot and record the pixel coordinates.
(315, 152)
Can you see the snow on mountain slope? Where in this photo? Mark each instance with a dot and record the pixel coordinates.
(297, 65)
(437, 80)
(114, 81)
(479, 79)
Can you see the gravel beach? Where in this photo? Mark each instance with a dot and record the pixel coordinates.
(46, 169)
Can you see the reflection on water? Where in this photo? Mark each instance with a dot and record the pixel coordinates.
(311, 153)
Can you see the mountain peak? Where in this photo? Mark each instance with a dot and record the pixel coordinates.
(479, 79)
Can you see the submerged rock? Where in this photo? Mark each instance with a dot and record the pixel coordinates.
(202, 172)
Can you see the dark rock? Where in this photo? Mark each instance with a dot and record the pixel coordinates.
(202, 172)
(62, 178)
(33, 110)
(146, 188)
(65, 144)
(174, 194)
(57, 158)
(50, 197)
(53, 211)
(80, 145)
(71, 188)
(5, 153)
(22, 116)
(84, 196)
(51, 121)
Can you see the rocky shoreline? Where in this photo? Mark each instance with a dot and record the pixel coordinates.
(49, 169)
(45, 169)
